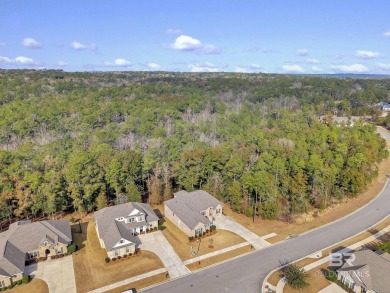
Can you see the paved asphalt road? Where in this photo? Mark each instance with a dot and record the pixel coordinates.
(246, 274)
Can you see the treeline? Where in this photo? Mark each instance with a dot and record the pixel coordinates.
(81, 140)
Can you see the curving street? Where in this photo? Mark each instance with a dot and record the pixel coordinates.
(246, 274)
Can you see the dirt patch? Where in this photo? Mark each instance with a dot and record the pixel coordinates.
(92, 272)
(36, 285)
(183, 247)
(141, 283)
(218, 258)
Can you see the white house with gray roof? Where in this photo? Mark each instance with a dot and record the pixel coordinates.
(24, 241)
(366, 271)
(118, 225)
(192, 212)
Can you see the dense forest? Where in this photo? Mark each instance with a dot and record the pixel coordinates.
(80, 141)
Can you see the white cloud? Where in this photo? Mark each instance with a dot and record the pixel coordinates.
(385, 67)
(302, 52)
(293, 68)
(255, 66)
(203, 67)
(312, 61)
(367, 54)
(119, 62)
(241, 69)
(387, 34)
(187, 43)
(20, 60)
(79, 46)
(316, 69)
(62, 63)
(31, 43)
(153, 65)
(173, 31)
(354, 68)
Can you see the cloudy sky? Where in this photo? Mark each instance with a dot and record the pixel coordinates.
(279, 36)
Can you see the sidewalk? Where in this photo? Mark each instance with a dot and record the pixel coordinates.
(128, 281)
(214, 253)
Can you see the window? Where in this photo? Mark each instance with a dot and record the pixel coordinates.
(203, 213)
(45, 243)
(59, 250)
(2, 284)
(33, 254)
(121, 241)
(198, 232)
(127, 249)
(116, 253)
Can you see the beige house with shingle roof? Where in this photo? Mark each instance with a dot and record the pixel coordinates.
(118, 225)
(367, 272)
(192, 212)
(24, 241)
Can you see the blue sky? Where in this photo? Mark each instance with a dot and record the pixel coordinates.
(244, 36)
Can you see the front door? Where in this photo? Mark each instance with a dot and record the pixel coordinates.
(198, 232)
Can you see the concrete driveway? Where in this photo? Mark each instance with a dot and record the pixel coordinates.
(158, 244)
(57, 273)
(229, 224)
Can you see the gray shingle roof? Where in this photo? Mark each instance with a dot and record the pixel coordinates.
(24, 236)
(188, 205)
(370, 269)
(111, 231)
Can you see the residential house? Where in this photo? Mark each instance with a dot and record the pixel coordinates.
(192, 212)
(366, 271)
(24, 241)
(118, 225)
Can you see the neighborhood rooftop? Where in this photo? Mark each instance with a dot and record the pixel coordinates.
(110, 229)
(189, 205)
(370, 270)
(24, 236)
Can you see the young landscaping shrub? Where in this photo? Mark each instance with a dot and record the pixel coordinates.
(155, 228)
(161, 228)
(72, 220)
(19, 282)
(295, 276)
(107, 260)
(72, 248)
(119, 257)
(53, 257)
(4, 288)
(207, 231)
(190, 238)
(213, 227)
(147, 230)
(10, 286)
(125, 255)
(331, 275)
(26, 279)
(130, 254)
(113, 259)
